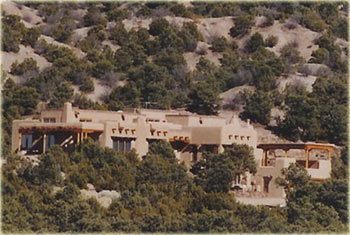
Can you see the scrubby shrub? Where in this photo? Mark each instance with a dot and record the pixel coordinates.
(257, 106)
(116, 14)
(27, 65)
(119, 34)
(313, 21)
(31, 37)
(254, 42)
(63, 93)
(268, 21)
(178, 9)
(13, 31)
(87, 85)
(219, 44)
(271, 41)
(102, 67)
(290, 56)
(320, 56)
(340, 27)
(158, 26)
(242, 25)
(94, 16)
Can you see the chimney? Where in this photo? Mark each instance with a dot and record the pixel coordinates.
(67, 115)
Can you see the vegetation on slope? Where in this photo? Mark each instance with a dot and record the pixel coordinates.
(151, 62)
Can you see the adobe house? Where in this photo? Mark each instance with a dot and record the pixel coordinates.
(189, 134)
(317, 164)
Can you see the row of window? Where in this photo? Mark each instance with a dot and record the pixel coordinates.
(53, 120)
(27, 141)
(122, 145)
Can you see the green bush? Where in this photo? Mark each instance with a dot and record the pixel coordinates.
(102, 67)
(242, 25)
(27, 65)
(116, 14)
(268, 21)
(178, 10)
(313, 21)
(13, 32)
(257, 107)
(63, 93)
(158, 26)
(31, 37)
(320, 56)
(119, 34)
(254, 42)
(94, 17)
(219, 44)
(271, 41)
(204, 99)
(87, 85)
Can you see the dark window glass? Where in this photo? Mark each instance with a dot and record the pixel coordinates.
(128, 146)
(121, 146)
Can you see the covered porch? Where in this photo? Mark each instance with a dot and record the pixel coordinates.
(307, 147)
(37, 139)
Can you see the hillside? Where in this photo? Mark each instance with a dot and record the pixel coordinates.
(281, 65)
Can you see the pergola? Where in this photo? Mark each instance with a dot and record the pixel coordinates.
(286, 147)
(44, 128)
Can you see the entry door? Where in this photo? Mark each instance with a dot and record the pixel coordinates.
(266, 183)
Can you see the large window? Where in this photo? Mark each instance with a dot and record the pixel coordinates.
(50, 140)
(122, 145)
(50, 120)
(27, 141)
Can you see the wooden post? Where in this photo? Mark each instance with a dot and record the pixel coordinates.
(20, 141)
(44, 143)
(78, 137)
(285, 153)
(307, 158)
(263, 158)
(329, 154)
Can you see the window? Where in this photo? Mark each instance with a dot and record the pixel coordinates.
(85, 120)
(122, 145)
(50, 120)
(128, 146)
(50, 140)
(27, 141)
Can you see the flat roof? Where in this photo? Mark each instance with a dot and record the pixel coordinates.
(295, 145)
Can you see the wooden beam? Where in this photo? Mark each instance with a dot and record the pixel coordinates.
(307, 158)
(20, 141)
(263, 158)
(44, 143)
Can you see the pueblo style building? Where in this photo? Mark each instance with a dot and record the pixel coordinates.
(189, 134)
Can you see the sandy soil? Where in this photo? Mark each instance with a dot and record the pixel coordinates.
(192, 58)
(25, 52)
(79, 34)
(104, 197)
(305, 43)
(295, 79)
(28, 15)
(80, 54)
(111, 45)
(229, 95)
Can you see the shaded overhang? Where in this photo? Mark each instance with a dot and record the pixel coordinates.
(304, 146)
(71, 127)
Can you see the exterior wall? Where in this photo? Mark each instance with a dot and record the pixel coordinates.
(145, 125)
(269, 171)
(195, 133)
(323, 172)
